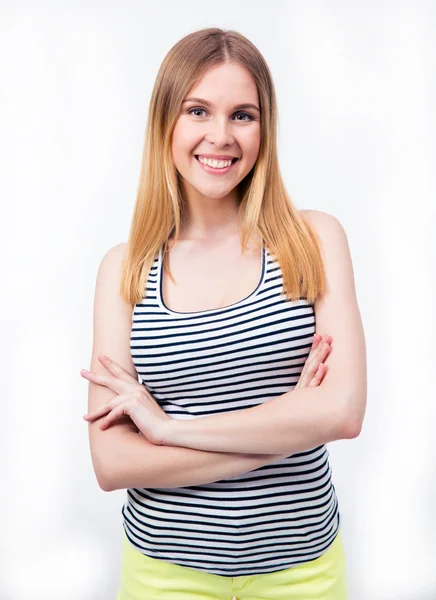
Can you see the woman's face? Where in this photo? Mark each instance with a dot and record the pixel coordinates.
(213, 124)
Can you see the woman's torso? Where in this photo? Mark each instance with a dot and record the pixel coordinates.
(205, 361)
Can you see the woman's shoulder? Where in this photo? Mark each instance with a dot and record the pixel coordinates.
(111, 263)
(115, 253)
(325, 225)
(121, 248)
(317, 217)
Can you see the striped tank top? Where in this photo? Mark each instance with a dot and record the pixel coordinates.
(203, 363)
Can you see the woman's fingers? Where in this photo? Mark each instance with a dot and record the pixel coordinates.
(316, 340)
(116, 369)
(113, 383)
(317, 378)
(318, 353)
(120, 381)
(104, 408)
(116, 412)
(315, 357)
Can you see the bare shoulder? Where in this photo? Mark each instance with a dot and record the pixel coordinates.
(109, 269)
(317, 216)
(320, 220)
(116, 253)
(329, 229)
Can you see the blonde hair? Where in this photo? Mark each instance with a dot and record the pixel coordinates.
(265, 207)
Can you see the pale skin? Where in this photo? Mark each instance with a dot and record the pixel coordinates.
(135, 401)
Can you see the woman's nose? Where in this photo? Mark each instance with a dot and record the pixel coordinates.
(220, 133)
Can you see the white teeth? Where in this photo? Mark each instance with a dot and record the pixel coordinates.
(216, 164)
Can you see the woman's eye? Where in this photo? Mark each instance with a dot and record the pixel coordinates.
(196, 109)
(248, 117)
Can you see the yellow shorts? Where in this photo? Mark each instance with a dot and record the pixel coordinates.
(145, 578)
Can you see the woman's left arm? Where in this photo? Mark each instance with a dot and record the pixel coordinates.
(305, 418)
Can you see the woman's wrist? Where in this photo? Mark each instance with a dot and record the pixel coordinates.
(168, 436)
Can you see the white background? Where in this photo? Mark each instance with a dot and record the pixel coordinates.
(356, 90)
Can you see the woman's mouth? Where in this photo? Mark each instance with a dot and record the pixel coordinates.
(215, 170)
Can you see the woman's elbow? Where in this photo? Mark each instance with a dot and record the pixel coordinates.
(353, 417)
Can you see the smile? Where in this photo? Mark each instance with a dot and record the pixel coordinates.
(215, 171)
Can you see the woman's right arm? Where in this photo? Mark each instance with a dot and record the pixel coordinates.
(121, 457)
(139, 463)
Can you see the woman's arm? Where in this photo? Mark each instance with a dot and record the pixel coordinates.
(137, 463)
(293, 422)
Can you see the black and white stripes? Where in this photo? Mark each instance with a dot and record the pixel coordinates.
(208, 362)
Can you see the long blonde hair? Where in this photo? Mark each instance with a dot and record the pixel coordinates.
(265, 207)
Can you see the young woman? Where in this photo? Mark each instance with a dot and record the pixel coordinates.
(216, 301)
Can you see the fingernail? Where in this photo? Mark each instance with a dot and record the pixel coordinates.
(102, 356)
(84, 371)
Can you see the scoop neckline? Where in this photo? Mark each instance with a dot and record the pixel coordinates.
(162, 304)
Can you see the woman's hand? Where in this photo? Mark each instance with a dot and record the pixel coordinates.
(133, 400)
(314, 367)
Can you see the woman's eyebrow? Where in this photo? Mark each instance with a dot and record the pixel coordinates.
(206, 103)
